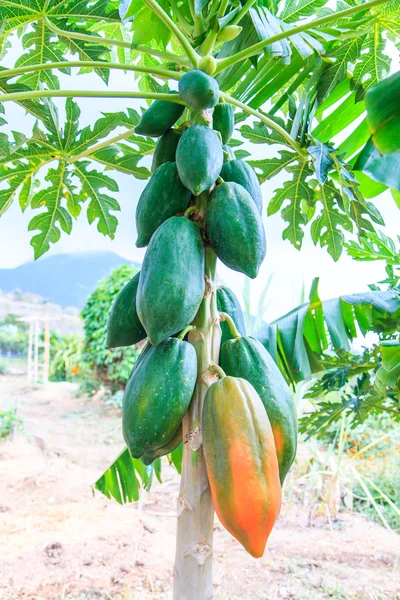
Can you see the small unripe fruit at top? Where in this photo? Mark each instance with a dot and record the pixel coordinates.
(199, 90)
(208, 64)
(228, 33)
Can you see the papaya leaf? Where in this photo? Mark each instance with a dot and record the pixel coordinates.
(374, 246)
(300, 337)
(55, 215)
(125, 476)
(374, 62)
(382, 169)
(100, 203)
(327, 228)
(295, 192)
(40, 44)
(383, 114)
(322, 160)
(120, 481)
(269, 167)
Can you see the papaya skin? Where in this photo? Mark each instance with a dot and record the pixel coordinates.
(235, 229)
(239, 171)
(159, 117)
(224, 121)
(165, 150)
(171, 284)
(199, 158)
(124, 327)
(163, 197)
(199, 90)
(246, 357)
(158, 395)
(241, 462)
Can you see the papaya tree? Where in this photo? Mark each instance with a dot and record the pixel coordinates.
(309, 80)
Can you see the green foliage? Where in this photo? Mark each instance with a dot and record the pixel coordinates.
(3, 367)
(297, 90)
(299, 341)
(66, 362)
(13, 335)
(110, 366)
(9, 421)
(377, 246)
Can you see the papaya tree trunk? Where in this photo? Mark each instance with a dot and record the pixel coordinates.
(193, 560)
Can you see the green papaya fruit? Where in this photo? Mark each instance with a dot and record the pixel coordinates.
(235, 229)
(228, 303)
(247, 358)
(167, 448)
(124, 327)
(171, 284)
(159, 117)
(241, 172)
(163, 197)
(199, 158)
(165, 149)
(224, 121)
(198, 90)
(228, 153)
(158, 395)
(140, 358)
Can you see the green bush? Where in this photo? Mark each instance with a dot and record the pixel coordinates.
(8, 420)
(66, 362)
(3, 367)
(111, 367)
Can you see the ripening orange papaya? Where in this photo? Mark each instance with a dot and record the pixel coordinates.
(241, 461)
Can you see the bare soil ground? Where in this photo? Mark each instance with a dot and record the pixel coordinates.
(57, 541)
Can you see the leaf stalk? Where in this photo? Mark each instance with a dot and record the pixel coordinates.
(93, 39)
(269, 122)
(95, 64)
(29, 95)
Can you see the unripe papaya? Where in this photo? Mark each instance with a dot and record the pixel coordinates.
(239, 171)
(165, 150)
(167, 448)
(171, 284)
(163, 197)
(247, 358)
(224, 121)
(158, 395)
(159, 117)
(235, 229)
(199, 90)
(199, 158)
(124, 327)
(242, 466)
(228, 303)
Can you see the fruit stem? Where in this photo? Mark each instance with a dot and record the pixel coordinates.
(185, 331)
(217, 369)
(191, 210)
(231, 324)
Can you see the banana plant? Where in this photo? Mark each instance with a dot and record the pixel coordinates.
(292, 76)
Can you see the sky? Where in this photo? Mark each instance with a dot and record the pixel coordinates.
(292, 271)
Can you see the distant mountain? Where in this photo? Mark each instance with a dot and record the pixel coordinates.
(66, 279)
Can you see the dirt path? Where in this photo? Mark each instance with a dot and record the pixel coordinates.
(57, 541)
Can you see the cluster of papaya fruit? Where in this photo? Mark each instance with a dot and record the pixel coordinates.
(249, 422)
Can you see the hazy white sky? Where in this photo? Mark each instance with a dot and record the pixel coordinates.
(289, 267)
